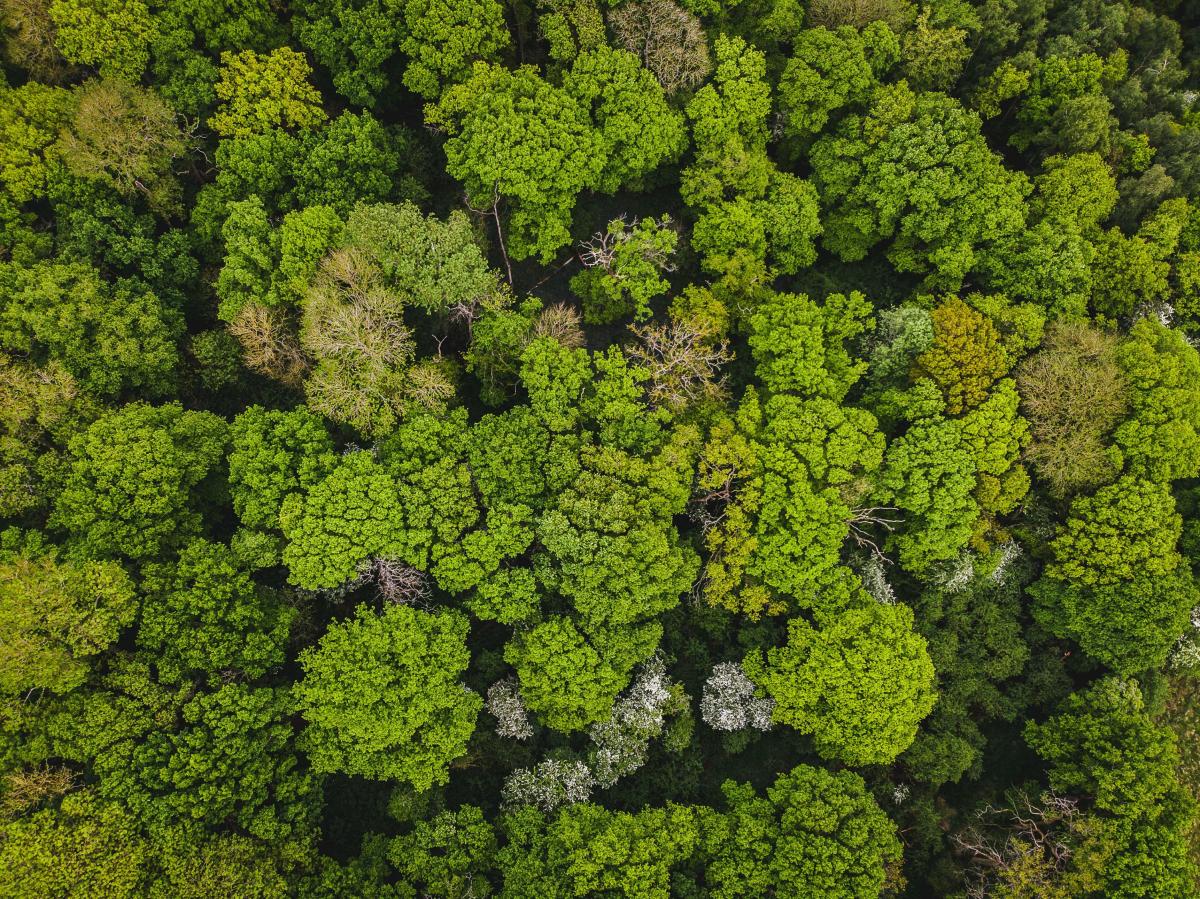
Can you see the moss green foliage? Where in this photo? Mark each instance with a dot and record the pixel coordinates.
(564, 681)
(443, 39)
(515, 136)
(909, 145)
(1116, 583)
(110, 337)
(659, 449)
(347, 517)
(750, 214)
(205, 614)
(588, 849)
(273, 454)
(174, 756)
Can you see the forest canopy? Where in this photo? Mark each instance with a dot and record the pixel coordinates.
(659, 449)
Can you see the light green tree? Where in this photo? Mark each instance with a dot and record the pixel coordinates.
(382, 696)
(860, 684)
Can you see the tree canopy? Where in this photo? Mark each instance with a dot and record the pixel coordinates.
(664, 449)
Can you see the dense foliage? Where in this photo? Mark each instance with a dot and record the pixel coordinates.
(710, 449)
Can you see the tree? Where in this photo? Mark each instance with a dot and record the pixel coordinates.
(1077, 190)
(1117, 584)
(449, 855)
(777, 481)
(204, 614)
(196, 865)
(353, 325)
(608, 543)
(353, 39)
(274, 453)
(382, 696)
(113, 35)
(125, 136)
(85, 847)
(623, 268)
(269, 344)
(112, 338)
(1124, 530)
(443, 40)
(130, 487)
(748, 209)
(776, 498)
(262, 92)
(1103, 744)
(1073, 393)
(95, 224)
(914, 169)
(434, 265)
(816, 833)
(684, 361)
(636, 130)
(344, 519)
(1128, 272)
(966, 357)
(587, 850)
(976, 640)
(353, 159)
(40, 408)
(31, 41)
(828, 71)
(184, 757)
(932, 57)
(1064, 109)
(799, 347)
(514, 137)
(860, 684)
(1161, 437)
(56, 616)
(564, 681)
(270, 266)
(929, 475)
(729, 128)
(500, 334)
(669, 41)
(31, 117)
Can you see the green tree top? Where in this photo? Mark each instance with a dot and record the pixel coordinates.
(382, 696)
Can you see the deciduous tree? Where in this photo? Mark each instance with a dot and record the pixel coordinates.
(860, 684)
(382, 696)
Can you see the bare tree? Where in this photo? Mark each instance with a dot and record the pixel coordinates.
(396, 582)
(348, 313)
(859, 13)
(708, 508)
(26, 788)
(1029, 844)
(683, 363)
(668, 39)
(493, 212)
(560, 322)
(269, 343)
(874, 516)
